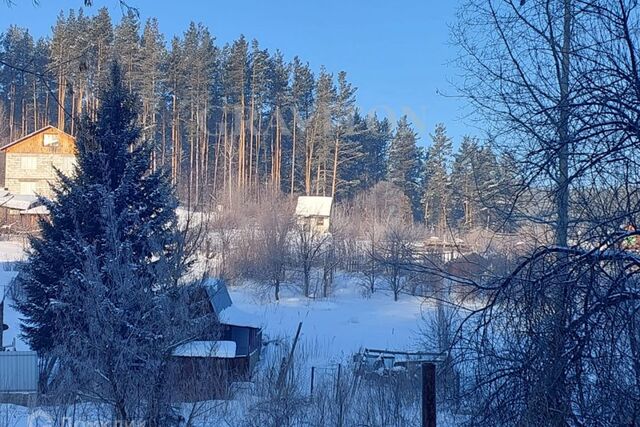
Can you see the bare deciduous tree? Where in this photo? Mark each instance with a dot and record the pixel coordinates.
(396, 252)
(273, 251)
(557, 81)
(309, 246)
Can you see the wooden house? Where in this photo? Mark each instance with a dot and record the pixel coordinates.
(313, 213)
(27, 165)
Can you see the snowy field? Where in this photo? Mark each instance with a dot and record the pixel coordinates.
(336, 327)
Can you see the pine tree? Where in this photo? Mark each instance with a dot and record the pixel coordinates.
(126, 49)
(60, 54)
(152, 58)
(302, 94)
(259, 64)
(352, 171)
(464, 186)
(347, 150)
(101, 35)
(279, 95)
(405, 164)
(78, 76)
(320, 139)
(16, 47)
(176, 85)
(99, 292)
(376, 136)
(41, 99)
(199, 59)
(437, 188)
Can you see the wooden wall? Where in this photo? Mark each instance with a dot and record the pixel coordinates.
(34, 143)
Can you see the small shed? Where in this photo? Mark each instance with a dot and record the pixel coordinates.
(204, 369)
(313, 213)
(19, 213)
(236, 325)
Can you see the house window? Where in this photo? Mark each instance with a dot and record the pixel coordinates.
(29, 163)
(320, 221)
(51, 140)
(28, 188)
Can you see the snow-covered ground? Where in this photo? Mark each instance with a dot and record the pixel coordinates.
(333, 329)
(11, 250)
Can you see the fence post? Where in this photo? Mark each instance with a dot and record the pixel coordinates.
(1, 323)
(284, 369)
(428, 395)
(313, 372)
(338, 381)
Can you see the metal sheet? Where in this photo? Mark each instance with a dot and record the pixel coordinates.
(18, 371)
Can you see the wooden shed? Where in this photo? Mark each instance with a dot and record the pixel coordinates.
(313, 213)
(204, 369)
(20, 214)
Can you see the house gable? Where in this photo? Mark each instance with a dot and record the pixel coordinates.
(48, 140)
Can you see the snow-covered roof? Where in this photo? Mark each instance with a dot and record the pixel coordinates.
(19, 202)
(36, 210)
(232, 315)
(314, 206)
(223, 307)
(219, 349)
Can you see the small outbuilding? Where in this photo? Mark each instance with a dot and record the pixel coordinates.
(236, 325)
(313, 213)
(205, 368)
(19, 214)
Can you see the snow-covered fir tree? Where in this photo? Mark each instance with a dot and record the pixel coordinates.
(99, 290)
(111, 163)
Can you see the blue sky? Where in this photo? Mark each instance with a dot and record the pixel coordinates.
(396, 52)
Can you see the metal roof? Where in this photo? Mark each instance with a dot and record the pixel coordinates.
(218, 295)
(17, 201)
(223, 307)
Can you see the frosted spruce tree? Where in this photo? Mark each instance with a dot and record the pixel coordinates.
(99, 291)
